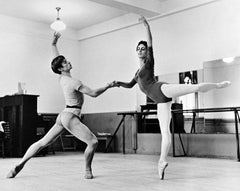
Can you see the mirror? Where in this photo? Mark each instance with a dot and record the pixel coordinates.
(213, 71)
(217, 71)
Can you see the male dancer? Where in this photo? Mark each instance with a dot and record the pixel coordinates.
(69, 118)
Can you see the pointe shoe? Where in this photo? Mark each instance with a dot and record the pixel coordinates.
(161, 169)
(88, 174)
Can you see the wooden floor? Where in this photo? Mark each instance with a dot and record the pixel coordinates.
(117, 172)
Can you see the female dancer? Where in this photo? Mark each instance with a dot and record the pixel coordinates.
(161, 92)
(69, 118)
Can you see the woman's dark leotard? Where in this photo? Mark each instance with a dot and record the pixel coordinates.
(147, 82)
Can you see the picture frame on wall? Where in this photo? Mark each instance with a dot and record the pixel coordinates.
(189, 77)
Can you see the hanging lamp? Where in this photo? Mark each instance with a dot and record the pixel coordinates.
(58, 25)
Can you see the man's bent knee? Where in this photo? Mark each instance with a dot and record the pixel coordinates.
(94, 142)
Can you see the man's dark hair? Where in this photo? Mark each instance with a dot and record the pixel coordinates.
(57, 63)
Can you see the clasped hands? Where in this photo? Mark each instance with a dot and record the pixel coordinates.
(113, 84)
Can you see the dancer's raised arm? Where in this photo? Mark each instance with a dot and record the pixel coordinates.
(149, 34)
(56, 36)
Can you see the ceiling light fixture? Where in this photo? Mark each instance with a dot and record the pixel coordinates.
(58, 25)
(228, 60)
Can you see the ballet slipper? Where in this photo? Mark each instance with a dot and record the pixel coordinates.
(161, 169)
(12, 173)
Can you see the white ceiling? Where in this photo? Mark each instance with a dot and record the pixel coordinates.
(79, 14)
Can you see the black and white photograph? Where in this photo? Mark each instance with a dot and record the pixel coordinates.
(136, 95)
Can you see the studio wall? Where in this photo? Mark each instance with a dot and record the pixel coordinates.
(182, 41)
(26, 54)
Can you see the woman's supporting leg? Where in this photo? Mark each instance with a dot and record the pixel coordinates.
(176, 90)
(164, 117)
(73, 124)
(49, 138)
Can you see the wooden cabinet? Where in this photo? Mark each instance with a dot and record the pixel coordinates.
(21, 113)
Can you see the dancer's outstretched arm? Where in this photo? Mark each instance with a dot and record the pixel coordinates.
(126, 84)
(56, 36)
(95, 92)
(149, 34)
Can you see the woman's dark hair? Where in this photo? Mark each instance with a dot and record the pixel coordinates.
(57, 63)
(144, 43)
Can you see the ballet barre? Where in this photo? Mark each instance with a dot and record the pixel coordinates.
(133, 114)
(207, 110)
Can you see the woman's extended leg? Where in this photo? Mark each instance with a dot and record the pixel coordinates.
(49, 138)
(164, 117)
(72, 123)
(176, 90)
